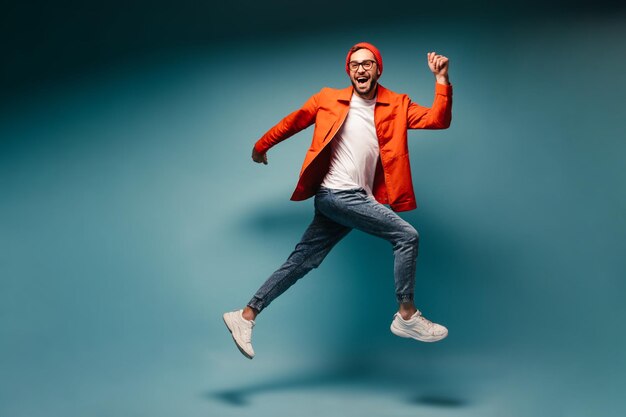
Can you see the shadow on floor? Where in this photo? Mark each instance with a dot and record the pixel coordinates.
(438, 401)
(350, 377)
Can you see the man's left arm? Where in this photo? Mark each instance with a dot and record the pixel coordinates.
(439, 116)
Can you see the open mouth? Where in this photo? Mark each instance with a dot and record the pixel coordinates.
(361, 81)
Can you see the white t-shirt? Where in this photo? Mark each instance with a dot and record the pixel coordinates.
(354, 149)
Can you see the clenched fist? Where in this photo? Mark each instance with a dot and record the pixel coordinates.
(438, 64)
(259, 157)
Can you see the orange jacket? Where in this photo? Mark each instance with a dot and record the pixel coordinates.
(393, 115)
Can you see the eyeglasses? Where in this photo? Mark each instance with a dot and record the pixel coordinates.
(367, 64)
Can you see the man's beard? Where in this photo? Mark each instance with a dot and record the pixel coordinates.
(373, 83)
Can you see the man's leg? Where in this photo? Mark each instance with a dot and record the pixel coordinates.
(354, 209)
(319, 238)
(316, 242)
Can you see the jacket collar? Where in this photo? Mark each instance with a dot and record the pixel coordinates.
(382, 95)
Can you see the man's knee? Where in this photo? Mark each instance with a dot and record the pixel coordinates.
(306, 261)
(412, 235)
(409, 237)
(314, 261)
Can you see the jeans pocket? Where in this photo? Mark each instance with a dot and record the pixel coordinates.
(322, 196)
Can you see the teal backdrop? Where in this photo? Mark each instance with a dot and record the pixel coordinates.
(132, 217)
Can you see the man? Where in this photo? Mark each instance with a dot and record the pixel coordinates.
(358, 162)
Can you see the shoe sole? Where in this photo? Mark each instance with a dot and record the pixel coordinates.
(399, 332)
(243, 352)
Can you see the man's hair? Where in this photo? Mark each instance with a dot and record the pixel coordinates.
(356, 48)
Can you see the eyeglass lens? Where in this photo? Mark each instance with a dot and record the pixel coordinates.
(367, 64)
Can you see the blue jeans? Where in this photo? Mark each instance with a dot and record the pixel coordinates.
(337, 212)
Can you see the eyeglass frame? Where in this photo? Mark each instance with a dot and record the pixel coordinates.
(362, 63)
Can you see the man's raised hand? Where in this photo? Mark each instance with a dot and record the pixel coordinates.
(438, 64)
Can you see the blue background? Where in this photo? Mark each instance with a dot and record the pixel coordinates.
(131, 215)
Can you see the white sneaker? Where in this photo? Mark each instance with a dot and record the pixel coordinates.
(241, 330)
(418, 327)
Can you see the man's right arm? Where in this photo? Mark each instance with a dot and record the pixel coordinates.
(287, 127)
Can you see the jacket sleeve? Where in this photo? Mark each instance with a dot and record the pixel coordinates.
(438, 116)
(290, 125)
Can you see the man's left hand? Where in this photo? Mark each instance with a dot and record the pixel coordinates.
(438, 64)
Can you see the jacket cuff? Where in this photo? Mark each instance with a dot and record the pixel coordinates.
(258, 148)
(443, 89)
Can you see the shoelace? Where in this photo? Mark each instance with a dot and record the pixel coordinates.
(425, 321)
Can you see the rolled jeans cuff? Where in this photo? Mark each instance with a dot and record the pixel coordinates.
(256, 304)
(404, 298)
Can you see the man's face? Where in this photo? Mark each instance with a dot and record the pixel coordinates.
(364, 81)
